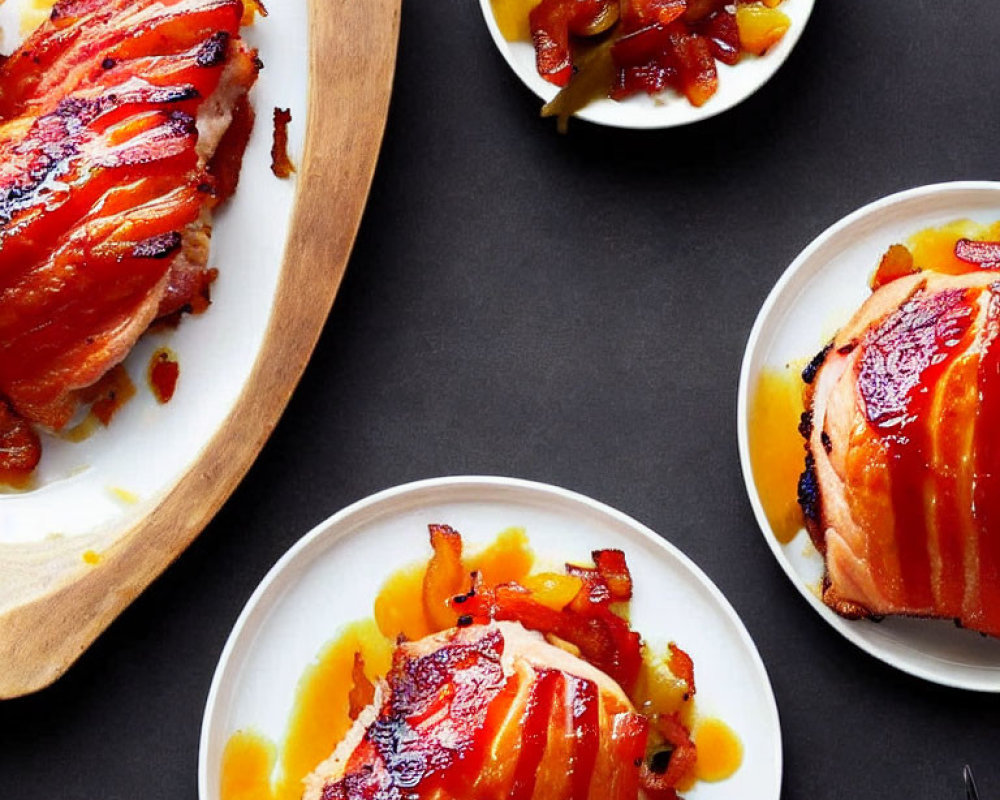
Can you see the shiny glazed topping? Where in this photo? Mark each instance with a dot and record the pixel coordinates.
(902, 357)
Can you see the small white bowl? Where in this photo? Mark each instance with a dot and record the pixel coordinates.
(667, 109)
(816, 295)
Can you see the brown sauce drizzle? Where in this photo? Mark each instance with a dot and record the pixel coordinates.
(162, 374)
(281, 164)
(109, 394)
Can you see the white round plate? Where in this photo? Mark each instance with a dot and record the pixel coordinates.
(817, 294)
(668, 109)
(332, 575)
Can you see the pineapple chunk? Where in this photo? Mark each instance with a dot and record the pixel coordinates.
(760, 27)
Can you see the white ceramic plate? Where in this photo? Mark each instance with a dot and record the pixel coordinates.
(148, 446)
(668, 109)
(331, 577)
(816, 295)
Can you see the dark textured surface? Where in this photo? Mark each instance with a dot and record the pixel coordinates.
(573, 310)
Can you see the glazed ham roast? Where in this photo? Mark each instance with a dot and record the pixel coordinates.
(484, 712)
(110, 115)
(901, 491)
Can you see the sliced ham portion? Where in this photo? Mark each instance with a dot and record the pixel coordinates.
(110, 114)
(485, 712)
(902, 484)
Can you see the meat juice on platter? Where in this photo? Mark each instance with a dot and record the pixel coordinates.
(898, 420)
(115, 121)
(533, 679)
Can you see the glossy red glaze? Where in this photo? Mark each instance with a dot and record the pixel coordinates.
(583, 700)
(903, 359)
(630, 732)
(552, 22)
(435, 716)
(722, 35)
(987, 468)
(535, 731)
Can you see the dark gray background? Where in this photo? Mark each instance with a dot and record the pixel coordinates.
(571, 309)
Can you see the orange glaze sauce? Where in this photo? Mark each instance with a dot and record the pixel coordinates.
(512, 18)
(162, 374)
(399, 607)
(777, 454)
(254, 768)
(720, 751)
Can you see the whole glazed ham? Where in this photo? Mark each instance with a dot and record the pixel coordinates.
(110, 115)
(484, 712)
(902, 484)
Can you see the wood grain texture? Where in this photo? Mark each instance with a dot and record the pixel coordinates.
(350, 83)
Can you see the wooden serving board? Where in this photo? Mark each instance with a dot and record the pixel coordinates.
(60, 604)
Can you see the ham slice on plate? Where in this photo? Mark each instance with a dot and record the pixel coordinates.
(110, 114)
(902, 484)
(489, 711)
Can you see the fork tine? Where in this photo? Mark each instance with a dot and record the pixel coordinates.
(971, 793)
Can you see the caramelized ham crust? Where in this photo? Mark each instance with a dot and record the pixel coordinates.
(902, 486)
(109, 116)
(485, 712)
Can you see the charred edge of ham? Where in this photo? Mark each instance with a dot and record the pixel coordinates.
(809, 373)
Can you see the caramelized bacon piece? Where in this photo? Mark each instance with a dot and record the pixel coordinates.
(486, 712)
(281, 164)
(109, 114)
(20, 448)
(680, 768)
(552, 22)
(362, 693)
(444, 577)
(897, 262)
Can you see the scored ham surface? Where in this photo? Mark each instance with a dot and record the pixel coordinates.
(902, 484)
(485, 712)
(110, 114)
